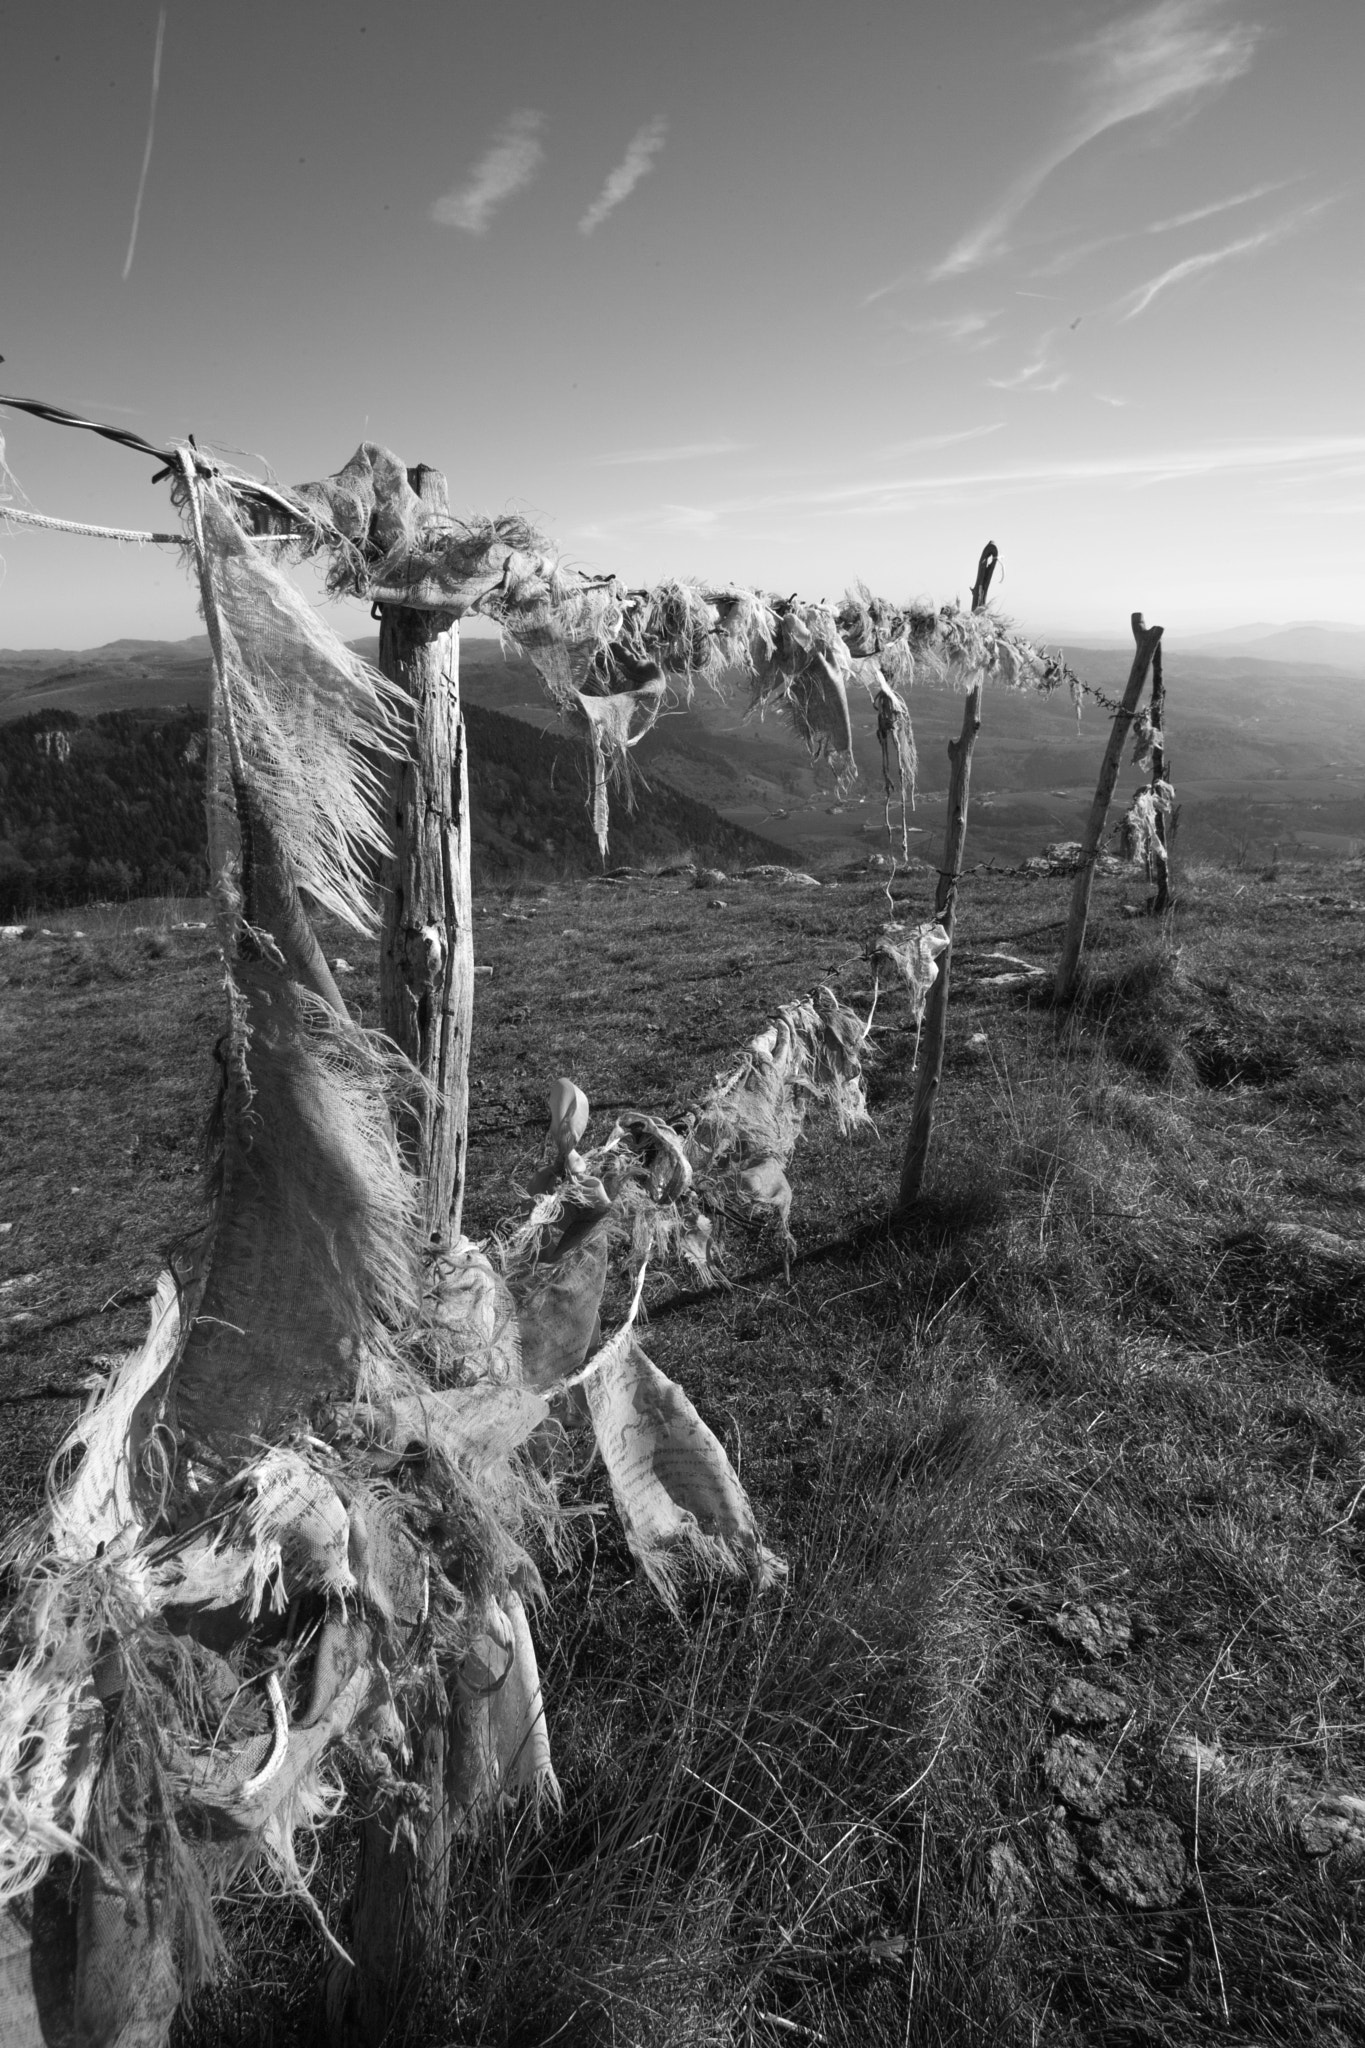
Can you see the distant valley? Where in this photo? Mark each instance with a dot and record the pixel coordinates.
(1264, 750)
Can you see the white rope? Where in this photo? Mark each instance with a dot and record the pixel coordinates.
(176, 540)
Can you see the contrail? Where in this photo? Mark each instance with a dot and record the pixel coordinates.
(147, 152)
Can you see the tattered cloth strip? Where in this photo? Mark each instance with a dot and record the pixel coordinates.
(499, 1742)
(1147, 738)
(896, 739)
(302, 722)
(676, 1492)
(910, 951)
(669, 1189)
(615, 724)
(1140, 830)
(806, 673)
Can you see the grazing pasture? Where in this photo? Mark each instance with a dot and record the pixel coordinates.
(1056, 1732)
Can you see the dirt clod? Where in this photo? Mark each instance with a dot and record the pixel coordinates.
(1086, 1706)
(1137, 1857)
(1333, 1823)
(1102, 1628)
(1007, 1881)
(1082, 1776)
(1062, 1852)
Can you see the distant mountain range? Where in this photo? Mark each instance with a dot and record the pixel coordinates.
(1266, 744)
(1313, 643)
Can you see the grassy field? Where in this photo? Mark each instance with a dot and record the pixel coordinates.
(1048, 1738)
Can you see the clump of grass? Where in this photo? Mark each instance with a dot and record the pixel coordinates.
(743, 1837)
(1141, 1007)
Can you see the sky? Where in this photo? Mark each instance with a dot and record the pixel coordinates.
(784, 292)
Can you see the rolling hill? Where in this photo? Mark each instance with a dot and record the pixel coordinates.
(1264, 750)
(113, 806)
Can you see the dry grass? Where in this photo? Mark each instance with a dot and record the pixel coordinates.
(1094, 1376)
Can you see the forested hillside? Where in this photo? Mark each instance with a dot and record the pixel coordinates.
(113, 806)
(100, 807)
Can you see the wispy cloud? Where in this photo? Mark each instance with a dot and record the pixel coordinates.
(1187, 220)
(688, 518)
(637, 162)
(968, 327)
(684, 451)
(1308, 453)
(1197, 266)
(1032, 377)
(512, 162)
(1067, 259)
(1174, 54)
(922, 443)
(1311, 458)
(1039, 373)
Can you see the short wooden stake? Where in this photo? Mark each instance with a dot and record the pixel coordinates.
(945, 907)
(427, 960)
(1148, 639)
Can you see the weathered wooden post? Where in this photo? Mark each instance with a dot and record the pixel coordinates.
(426, 1006)
(1161, 900)
(945, 910)
(398, 1905)
(1148, 639)
(427, 961)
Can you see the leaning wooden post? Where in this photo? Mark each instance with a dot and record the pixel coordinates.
(1148, 639)
(935, 1031)
(427, 961)
(945, 909)
(1161, 900)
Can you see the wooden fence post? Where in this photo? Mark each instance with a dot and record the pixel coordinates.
(945, 910)
(398, 1905)
(1148, 639)
(426, 1005)
(427, 961)
(1161, 900)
